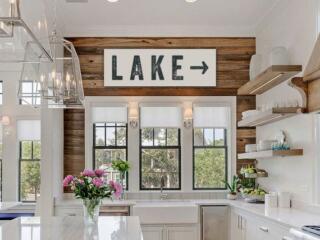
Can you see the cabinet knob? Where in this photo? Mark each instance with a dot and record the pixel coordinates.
(264, 229)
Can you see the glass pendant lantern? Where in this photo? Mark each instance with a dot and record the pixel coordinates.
(58, 83)
(23, 21)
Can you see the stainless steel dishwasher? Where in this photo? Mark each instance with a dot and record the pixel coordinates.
(214, 222)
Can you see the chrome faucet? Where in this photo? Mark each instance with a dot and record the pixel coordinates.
(163, 196)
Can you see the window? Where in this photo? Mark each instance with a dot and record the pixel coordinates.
(110, 143)
(29, 93)
(160, 158)
(29, 134)
(29, 165)
(1, 92)
(209, 158)
(210, 151)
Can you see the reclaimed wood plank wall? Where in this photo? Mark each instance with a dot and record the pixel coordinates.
(233, 58)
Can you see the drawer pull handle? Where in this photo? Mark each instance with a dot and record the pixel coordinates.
(264, 229)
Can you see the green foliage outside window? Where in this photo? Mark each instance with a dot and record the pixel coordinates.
(160, 158)
(30, 153)
(210, 158)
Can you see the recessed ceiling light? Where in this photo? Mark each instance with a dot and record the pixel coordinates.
(191, 1)
(112, 1)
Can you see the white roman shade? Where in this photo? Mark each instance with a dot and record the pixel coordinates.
(211, 116)
(160, 116)
(117, 114)
(29, 130)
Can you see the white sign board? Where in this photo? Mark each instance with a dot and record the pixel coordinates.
(160, 67)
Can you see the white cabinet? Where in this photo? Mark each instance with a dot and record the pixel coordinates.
(236, 226)
(152, 232)
(245, 226)
(182, 233)
(170, 232)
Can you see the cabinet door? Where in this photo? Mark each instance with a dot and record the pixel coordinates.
(182, 233)
(152, 232)
(214, 222)
(235, 226)
(249, 227)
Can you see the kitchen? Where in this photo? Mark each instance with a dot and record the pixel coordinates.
(157, 124)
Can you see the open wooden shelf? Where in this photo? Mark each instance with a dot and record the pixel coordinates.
(272, 115)
(270, 78)
(271, 153)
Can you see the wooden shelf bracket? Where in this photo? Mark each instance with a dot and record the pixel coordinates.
(302, 87)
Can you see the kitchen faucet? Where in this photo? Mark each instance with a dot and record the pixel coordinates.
(163, 196)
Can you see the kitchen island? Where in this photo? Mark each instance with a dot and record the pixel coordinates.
(71, 228)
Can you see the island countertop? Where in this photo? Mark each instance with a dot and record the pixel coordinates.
(72, 228)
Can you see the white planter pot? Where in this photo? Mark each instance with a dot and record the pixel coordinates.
(232, 196)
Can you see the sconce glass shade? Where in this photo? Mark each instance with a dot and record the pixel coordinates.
(23, 21)
(5, 120)
(58, 83)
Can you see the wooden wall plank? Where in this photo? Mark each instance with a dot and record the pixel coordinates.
(233, 59)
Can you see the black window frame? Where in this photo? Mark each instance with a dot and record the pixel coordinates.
(159, 147)
(33, 95)
(1, 172)
(225, 147)
(110, 147)
(26, 160)
(1, 92)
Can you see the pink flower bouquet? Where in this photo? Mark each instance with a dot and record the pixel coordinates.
(91, 186)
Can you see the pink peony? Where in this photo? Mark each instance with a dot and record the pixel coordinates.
(88, 173)
(98, 182)
(117, 188)
(67, 180)
(99, 172)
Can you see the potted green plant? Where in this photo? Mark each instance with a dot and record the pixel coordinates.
(232, 195)
(123, 167)
(249, 172)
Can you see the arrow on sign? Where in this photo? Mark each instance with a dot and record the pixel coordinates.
(204, 67)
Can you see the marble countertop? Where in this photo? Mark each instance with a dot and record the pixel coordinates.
(72, 228)
(7, 205)
(291, 218)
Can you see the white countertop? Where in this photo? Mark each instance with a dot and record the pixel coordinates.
(72, 228)
(7, 205)
(291, 218)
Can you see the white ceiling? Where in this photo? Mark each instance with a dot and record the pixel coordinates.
(136, 17)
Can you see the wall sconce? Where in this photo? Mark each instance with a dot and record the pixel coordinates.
(133, 115)
(188, 120)
(5, 120)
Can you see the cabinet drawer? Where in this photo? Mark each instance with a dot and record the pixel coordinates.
(114, 211)
(65, 212)
(269, 230)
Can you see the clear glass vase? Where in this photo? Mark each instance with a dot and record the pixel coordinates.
(91, 209)
(122, 179)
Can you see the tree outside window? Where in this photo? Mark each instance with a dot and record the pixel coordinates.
(160, 158)
(209, 158)
(30, 153)
(110, 143)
